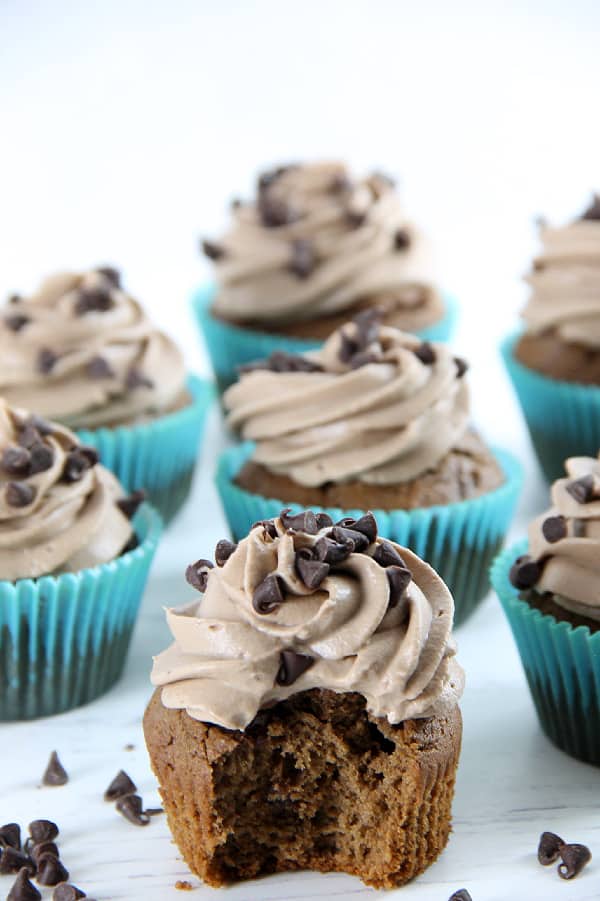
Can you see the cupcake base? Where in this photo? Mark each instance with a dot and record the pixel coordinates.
(307, 786)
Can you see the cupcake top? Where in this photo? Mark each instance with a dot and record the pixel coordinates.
(373, 404)
(316, 242)
(565, 281)
(82, 351)
(302, 603)
(60, 511)
(564, 543)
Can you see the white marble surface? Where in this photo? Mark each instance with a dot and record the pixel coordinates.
(124, 126)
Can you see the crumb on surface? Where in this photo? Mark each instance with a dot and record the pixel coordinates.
(183, 885)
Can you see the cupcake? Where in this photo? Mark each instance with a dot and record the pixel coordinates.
(550, 591)
(310, 696)
(375, 419)
(75, 551)
(315, 247)
(555, 362)
(83, 352)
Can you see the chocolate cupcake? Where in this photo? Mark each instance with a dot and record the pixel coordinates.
(311, 691)
(378, 420)
(72, 568)
(555, 363)
(550, 591)
(83, 352)
(314, 247)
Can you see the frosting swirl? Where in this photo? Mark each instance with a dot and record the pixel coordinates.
(58, 509)
(373, 404)
(276, 618)
(565, 281)
(315, 243)
(82, 351)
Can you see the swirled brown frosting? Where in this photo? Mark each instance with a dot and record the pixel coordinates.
(374, 404)
(317, 242)
(565, 281)
(564, 543)
(60, 511)
(302, 603)
(83, 352)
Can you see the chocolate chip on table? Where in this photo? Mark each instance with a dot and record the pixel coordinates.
(196, 574)
(582, 490)
(212, 250)
(310, 570)
(121, 786)
(113, 275)
(131, 504)
(43, 830)
(329, 551)
(12, 860)
(425, 353)
(524, 572)
(10, 836)
(51, 870)
(99, 368)
(402, 239)
(22, 889)
(593, 210)
(37, 850)
(268, 595)
(46, 360)
(549, 847)
(399, 578)
(42, 458)
(93, 300)
(136, 379)
(574, 858)
(291, 666)
(461, 895)
(67, 892)
(386, 555)
(55, 773)
(132, 808)
(19, 494)
(342, 535)
(303, 260)
(223, 551)
(461, 367)
(305, 521)
(16, 322)
(554, 528)
(16, 461)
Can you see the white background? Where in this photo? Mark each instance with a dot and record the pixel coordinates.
(125, 127)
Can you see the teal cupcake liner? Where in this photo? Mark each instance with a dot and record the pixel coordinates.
(160, 455)
(458, 540)
(563, 418)
(64, 639)
(561, 663)
(230, 346)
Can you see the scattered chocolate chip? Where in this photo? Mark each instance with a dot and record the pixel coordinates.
(36, 850)
(582, 489)
(22, 889)
(593, 211)
(55, 773)
(66, 892)
(46, 360)
(554, 528)
(386, 555)
(343, 535)
(268, 525)
(304, 259)
(306, 521)
(113, 275)
(93, 300)
(42, 458)
(99, 368)
(16, 461)
(329, 551)
(43, 831)
(310, 570)
(19, 494)
(197, 574)
(212, 250)
(280, 361)
(136, 379)
(121, 786)
(524, 572)
(131, 807)
(574, 858)
(77, 462)
(425, 353)
(291, 666)
(51, 870)
(270, 176)
(402, 239)
(12, 860)
(399, 579)
(461, 895)
(131, 504)
(461, 367)
(268, 595)
(16, 322)
(223, 551)
(10, 836)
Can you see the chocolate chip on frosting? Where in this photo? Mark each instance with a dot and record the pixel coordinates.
(386, 555)
(554, 528)
(311, 570)
(212, 250)
(268, 595)
(46, 360)
(99, 368)
(425, 353)
(524, 572)
(77, 462)
(16, 322)
(223, 551)
(93, 300)
(399, 578)
(592, 213)
(306, 521)
(267, 525)
(304, 259)
(402, 239)
(19, 494)
(342, 535)
(583, 490)
(461, 367)
(280, 361)
(366, 524)
(330, 551)
(16, 461)
(291, 666)
(196, 574)
(275, 212)
(41, 458)
(136, 379)
(131, 504)
(113, 275)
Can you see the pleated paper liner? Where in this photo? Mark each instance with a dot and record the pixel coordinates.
(158, 456)
(64, 639)
(561, 663)
(563, 418)
(230, 346)
(459, 540)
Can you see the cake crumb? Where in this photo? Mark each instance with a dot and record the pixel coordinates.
(183, 885)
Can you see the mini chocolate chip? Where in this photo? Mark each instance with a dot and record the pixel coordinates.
(93, 300)
(305, 521)
(549, 848)
(40, 424)
(461, 895)
(46, 360)
(16, 461)
(280, 361)
(343, 535)
(90, 453)
(291, 666)
(386, 555)
(212, 250)
(22, 889)
(367, 524)
(67, 892)
(16, 322)
(402, 239)
(113, 275)
(329, 551)
(99, 368)
(268, 525)
(524, 572)
(574, 858)
(311, 571)
(275, 212)
(12, 860)
(593, 211)
(304, 259)
(268, 595)
(29, 435)
(223, 551)
(121, 786)
(554, 528)
(196, 574)
(51, 870)
(55, 773)
(136, 379)
(42, 458)
(43, 830)
(10, 836)
(582, 489)
(131, 807)
(425, 353)
(36, 851)
(324, 521)
(20, 494)
(367, 324)
(355, 218)
(461, 367)
(348, 348)
(363, 358)
(399, 579)
(270, 176)
(131, 504)
(76, 464)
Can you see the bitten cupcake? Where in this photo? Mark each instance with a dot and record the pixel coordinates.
(309, 697)
(550, 591)
(73, 566)
(555, 363)
(83, 352)
(316, 246)
(379, 420)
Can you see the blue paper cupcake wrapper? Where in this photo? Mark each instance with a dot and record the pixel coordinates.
(459, 540)
(230, 346)
(158, 456)
(563, 418)
(561, 663)
(64, 639)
